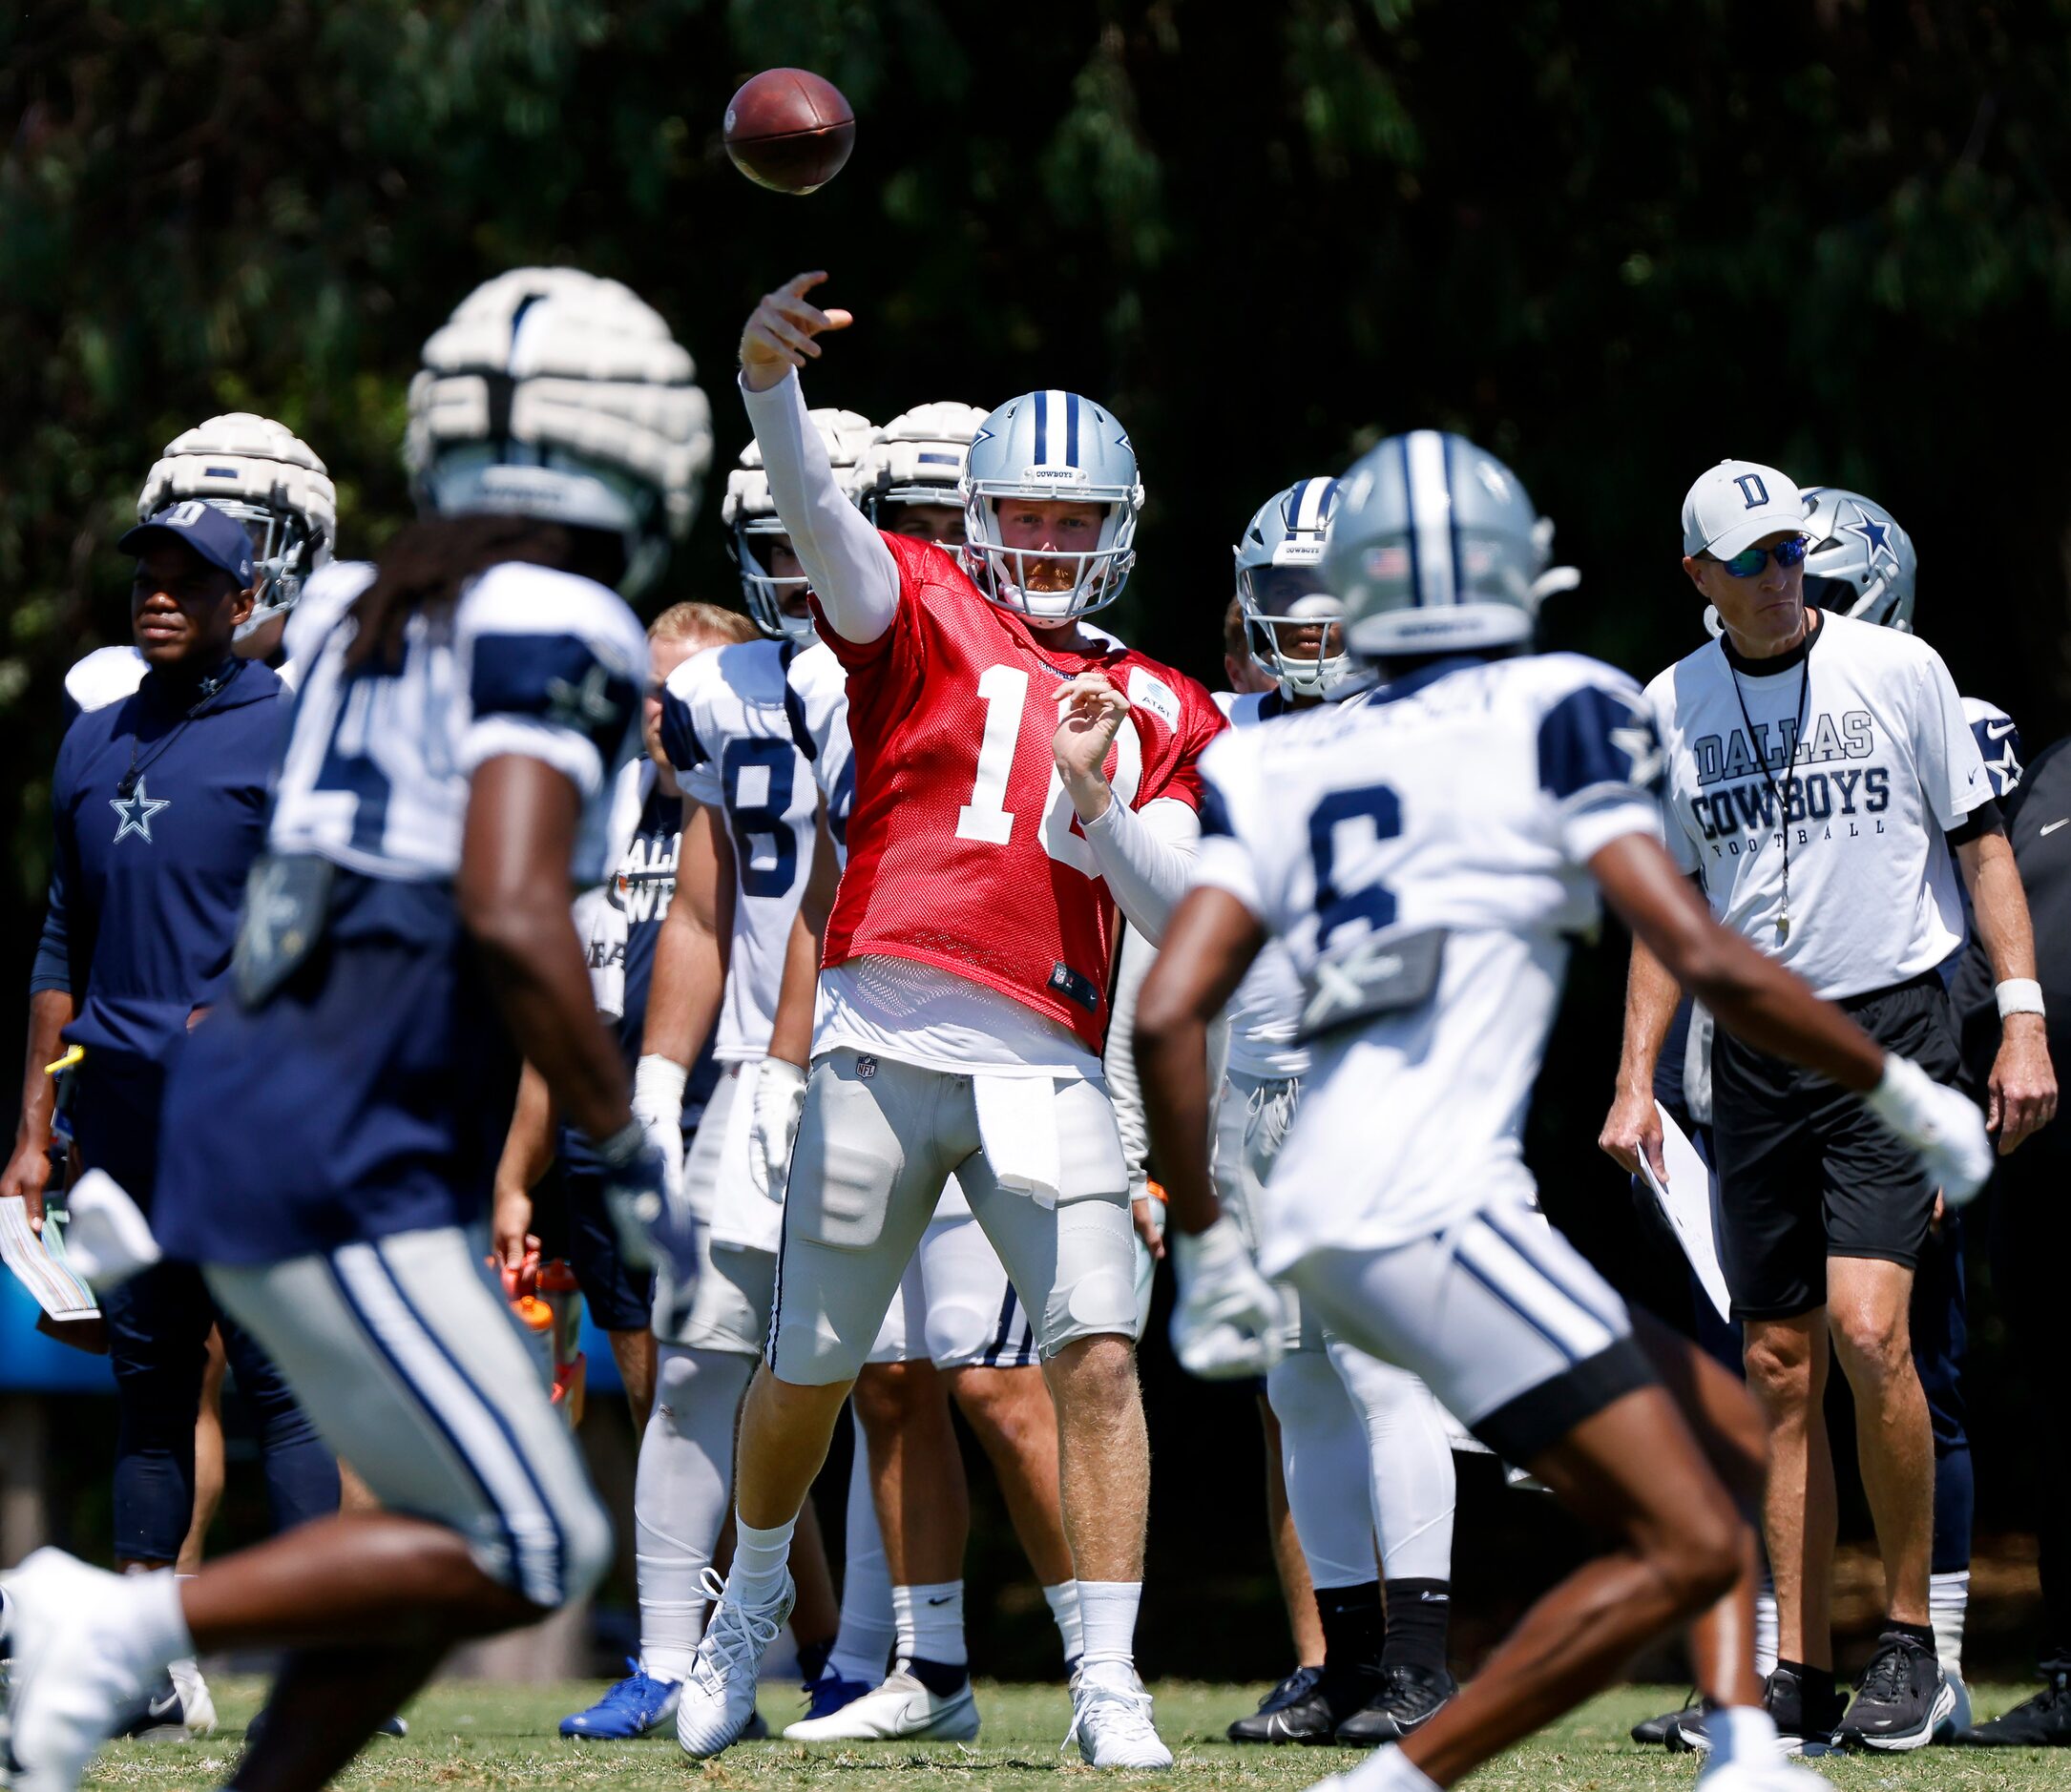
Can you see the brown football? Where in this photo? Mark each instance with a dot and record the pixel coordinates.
(790, 129)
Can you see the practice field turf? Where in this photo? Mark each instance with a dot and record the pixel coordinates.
(469, 1735)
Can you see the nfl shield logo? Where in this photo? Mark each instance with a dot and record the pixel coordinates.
(866, 1066)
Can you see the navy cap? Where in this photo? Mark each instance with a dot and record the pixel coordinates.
(216, 535)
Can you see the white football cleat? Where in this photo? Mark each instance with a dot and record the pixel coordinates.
(902, 1707)
(1111, 1719)
(197, 1710)
(73, 1680)
(1760, 1775)
(717, 1700)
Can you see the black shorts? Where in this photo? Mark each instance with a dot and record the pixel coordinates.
(1805, 1172)
(570, 1221)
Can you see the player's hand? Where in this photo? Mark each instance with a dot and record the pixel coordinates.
(2022, 1095)
(780, 1103)
(1942, 1124)
(657, 1105)
(1228, 1320)
(510, 1227)
(779, 332)
(1148, 1216)
(653, 1222)
(28, 1175)
(1634, 1126)
(1089, 716)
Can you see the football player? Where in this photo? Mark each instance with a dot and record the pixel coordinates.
(1016, 781)
(1346, 1422)
(1425, 856)
(465, 707)
(956, 1326)
(263, 475)
(749, 820)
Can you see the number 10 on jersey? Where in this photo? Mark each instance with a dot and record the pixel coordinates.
(986, 817)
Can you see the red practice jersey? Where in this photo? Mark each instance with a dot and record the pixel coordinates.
(964, 851)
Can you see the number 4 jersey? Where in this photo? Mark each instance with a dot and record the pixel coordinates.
(729, 729)
(964, 853)
(1422, 853)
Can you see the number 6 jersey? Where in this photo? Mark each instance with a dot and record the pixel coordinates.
(1422, 853)
(964, 853)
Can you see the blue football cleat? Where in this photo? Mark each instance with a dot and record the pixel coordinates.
(635, 1706)
(830, 1693)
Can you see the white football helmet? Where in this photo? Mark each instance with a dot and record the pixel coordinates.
(1286, 537)
(749, 512)
(1051, 445)
(918, 457)
(553, 393)
(271, 481)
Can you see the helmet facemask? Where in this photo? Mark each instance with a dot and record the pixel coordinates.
(1096, 573)
(1276, 613)
(765, 592)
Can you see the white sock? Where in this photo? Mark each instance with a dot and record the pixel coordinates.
(158, 1625)
(1107, 1611)
(1948, 1600)
(761, 1561)
(932, 1622)
(864, 1643)
(1063, 1598)
(680, 1492)
(1742, 1733)
(1389, 1770)
(1766, 1630)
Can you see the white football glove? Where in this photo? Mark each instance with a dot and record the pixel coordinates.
(780, 1100)
(657, 1105)
(1942, 1124)
(1228, 1320)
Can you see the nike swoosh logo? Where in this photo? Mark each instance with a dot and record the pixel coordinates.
(164, 1707)
(943, 1600)
(2050, 827)
(1998, 731)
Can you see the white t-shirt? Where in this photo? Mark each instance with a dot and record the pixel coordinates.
(1468, 798)
(1883, 766)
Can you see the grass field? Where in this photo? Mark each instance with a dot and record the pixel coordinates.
(472, 1735)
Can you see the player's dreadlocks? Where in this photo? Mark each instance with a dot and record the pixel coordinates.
(428, 563)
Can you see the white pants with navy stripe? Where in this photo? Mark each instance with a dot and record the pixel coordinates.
(957, 1306)
(1499, 1316)
(405, 1356)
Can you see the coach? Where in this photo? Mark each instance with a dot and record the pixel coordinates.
(1818, 773)
(159, 806)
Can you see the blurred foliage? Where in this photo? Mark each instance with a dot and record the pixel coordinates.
(1613, 241)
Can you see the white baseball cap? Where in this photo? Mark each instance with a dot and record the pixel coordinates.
(1733, 505)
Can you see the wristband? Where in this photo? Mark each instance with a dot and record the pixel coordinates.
(657, 1084)
(2019, 995)
(622, 1147)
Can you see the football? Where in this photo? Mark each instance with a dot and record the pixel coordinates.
(790, 129)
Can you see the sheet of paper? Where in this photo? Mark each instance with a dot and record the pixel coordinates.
(58, 1292)
(1686, 1201)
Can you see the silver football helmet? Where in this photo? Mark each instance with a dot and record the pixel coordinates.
(750, 515)
(1435, 547)
(918, 457)
(271, 481)
(1051, 445)
(553, 393)
(1861, 563)
(1279, 586)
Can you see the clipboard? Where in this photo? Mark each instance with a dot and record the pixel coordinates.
(1686, 1203)
(38, 1262)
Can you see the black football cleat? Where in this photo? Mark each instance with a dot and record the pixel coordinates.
(1661, 1732)
(1900, 1699)
(1306, 1707)
(1408, 1697)
(2044, 1721)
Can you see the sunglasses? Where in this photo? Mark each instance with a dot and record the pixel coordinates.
(1749, 561)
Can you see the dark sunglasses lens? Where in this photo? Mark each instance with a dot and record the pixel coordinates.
(1747, 562)
(1792, 553)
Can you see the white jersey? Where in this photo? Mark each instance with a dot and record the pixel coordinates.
(1866, 726)
(820, 721)
(1464, 800)
(728, 729)
(1263, 1013)
(530, 661)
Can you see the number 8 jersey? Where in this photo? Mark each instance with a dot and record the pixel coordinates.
(1454, 810)
(964, 852)
(728, 726)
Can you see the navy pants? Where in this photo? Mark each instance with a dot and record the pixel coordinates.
(157, 1336)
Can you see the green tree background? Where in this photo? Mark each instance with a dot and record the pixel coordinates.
(1611, 240)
